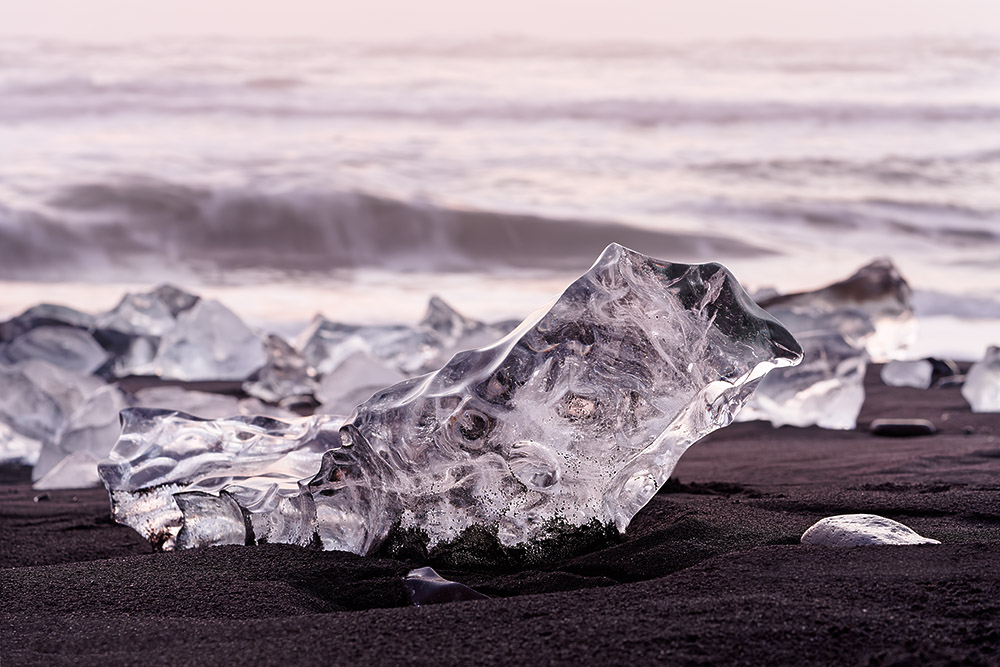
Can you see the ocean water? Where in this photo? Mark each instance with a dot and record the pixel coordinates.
(291, 177)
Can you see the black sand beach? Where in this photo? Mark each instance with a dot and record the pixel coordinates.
(710, 572)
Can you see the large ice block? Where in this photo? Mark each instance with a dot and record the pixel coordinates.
(826, 389)
(871, 309)
(209, 342)
(573, 420)
(982, 382)
(576, 418)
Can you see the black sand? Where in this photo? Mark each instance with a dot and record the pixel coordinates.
(710, 571)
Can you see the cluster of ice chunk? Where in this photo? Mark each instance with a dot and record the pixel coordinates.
(575, 418)
(868, 316)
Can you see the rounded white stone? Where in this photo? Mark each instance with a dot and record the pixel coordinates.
(855, 530)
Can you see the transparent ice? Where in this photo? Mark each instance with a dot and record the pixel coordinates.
(69, 415)
(982, 382)
(870, 309)
(575, 418)
(182, 481)
(287, 376)
(916, 374)
(209, 342)
(66, 347)
(825, 390)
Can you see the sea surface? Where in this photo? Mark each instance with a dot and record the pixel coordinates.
(292, 177)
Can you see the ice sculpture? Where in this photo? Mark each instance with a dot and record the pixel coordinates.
(574, 419)
(182, 481)
(982, 382)
(826, 389)
(856, 530)
(286, 378)
(209, 342)
(916, 374)
(871, 309)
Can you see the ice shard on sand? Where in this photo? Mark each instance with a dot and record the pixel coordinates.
(575, 418)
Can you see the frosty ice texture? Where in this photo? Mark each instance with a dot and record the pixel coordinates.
(168, 472)
(576, 417)
(209, 342)
(916, 374)
(826, 389)
(856, 530)
(870, 309)
(982, 382)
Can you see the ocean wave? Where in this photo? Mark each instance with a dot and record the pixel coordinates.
(154, 228)
(293, 98)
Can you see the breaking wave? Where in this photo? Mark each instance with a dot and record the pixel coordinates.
(147, 227)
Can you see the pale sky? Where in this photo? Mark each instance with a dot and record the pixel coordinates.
(352, 20)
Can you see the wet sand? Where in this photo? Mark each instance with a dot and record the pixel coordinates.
(710, 572)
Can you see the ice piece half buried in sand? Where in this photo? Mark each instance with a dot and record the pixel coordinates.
(575, 418)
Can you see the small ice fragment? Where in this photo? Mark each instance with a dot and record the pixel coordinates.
(77, 470)
(826, 389)
(916, 374)
(982, 382)
(209, 342)
(287, 376)
(425, 586)
(855, 530)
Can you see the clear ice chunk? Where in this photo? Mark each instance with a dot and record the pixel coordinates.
(354, 381)
(982, 382)
(45, 314)
(286, 378)
(575, 419)
(856, 530)
(872, 309)
(69, 461)
(916, 374)
(62, 346)
(209, 342)
(165, 463)
(826, 389)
